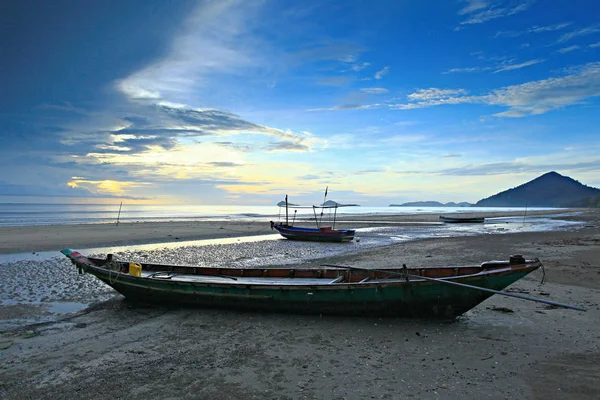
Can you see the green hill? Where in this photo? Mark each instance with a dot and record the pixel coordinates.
(548, 190)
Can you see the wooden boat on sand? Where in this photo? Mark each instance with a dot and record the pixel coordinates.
(443, 292)
(467, 220)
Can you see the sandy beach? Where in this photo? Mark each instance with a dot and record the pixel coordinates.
(504, 348)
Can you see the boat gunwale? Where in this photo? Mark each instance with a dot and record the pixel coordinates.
(529, 266)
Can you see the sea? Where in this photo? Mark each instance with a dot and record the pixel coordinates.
(35, 214)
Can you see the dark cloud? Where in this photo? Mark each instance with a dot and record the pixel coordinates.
(208, 119)
(224, 164)
(288, 146)
(310, 177)
(245, 147)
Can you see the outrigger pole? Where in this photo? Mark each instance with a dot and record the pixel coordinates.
(500, 292)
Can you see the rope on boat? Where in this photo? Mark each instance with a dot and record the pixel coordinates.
(113, 266)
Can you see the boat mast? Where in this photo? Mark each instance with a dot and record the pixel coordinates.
(323, 205)
(286, 211)
(334, 215)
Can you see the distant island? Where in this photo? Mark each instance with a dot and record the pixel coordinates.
(432, 204)
(549, 190)
(331, 203)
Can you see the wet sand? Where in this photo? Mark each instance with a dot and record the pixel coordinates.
(504, 348)
(55, 237)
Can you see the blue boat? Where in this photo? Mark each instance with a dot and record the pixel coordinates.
(319, 233)
(324, 234)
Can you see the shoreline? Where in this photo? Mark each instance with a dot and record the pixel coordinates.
(23, 239)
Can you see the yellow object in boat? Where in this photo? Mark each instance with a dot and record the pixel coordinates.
(135, 269)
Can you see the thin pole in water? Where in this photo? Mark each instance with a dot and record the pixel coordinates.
(119, 215)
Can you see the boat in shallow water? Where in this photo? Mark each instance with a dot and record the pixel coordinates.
(320, 233)
(443, 292)
(325, 234)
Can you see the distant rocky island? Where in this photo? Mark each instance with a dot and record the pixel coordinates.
(331, 203)
(431, 204)
(549, 190)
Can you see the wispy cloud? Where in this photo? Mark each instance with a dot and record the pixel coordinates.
(580, 32)
(375, 90)
(343, 107)
(594, 45)
(381, 73)
(532, 98)
(360, 66)
(472, 6)
(460, 70)
(534, 29)
(499, 64)
(511, 67)
(479, 11)
(513, 167)
(568, 49)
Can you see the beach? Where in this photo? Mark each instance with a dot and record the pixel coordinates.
(113, 348)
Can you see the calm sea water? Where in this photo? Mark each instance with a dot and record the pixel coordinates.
(32, 214)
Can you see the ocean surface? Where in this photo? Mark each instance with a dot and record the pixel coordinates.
(33, 214)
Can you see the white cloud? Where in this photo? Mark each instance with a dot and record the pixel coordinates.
(434, 93)
(548, 28)
(594, 45)
(213, 40)
(380, 74)
(542, 96)
(581, 32)
(478, 12)
(473, 5)
(530, 98)
(360, 66)
(511, 67)
(375, 90)
(568, 49)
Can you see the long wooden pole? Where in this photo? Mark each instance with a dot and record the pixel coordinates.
(518, 296)
(119, 215)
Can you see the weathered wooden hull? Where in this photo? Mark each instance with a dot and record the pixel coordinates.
(463, 220)
(392, 298)
(315, 235)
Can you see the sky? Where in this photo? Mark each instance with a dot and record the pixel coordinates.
(242, 102)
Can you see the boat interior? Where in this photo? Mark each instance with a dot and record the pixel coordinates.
(328, 274)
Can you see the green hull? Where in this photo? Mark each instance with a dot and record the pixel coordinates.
(399, 299)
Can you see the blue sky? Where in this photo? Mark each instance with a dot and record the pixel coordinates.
(237, 102)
